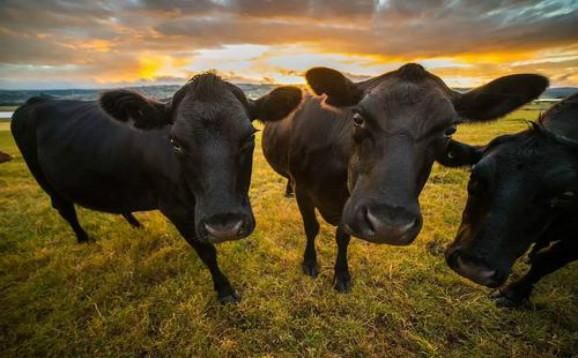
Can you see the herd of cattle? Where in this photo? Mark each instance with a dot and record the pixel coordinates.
(360, 153)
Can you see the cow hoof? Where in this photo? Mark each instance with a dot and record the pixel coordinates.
(289, 195)
(505, 300)
(342, 283)
(310, 269)
(230, 298)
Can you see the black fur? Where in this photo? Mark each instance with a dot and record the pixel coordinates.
(523, 191)
(191, 159)
(369, 147)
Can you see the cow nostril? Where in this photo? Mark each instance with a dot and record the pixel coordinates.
(238, 227)
(210, 229)
(408, 226)
(372, 220)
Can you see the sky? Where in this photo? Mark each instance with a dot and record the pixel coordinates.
(97, 44)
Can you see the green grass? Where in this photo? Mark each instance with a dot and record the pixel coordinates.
(145, 293)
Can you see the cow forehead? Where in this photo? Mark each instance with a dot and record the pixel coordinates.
(527, 153)
(416, 106)
(409, 90)
(223, 110)
(201, 122)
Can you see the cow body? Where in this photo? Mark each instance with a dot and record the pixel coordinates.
(190, 158)
(361, 153)
(63, 142)
(522, 192)
(312, 148)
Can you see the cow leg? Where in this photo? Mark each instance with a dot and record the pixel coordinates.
(311, 226)
(67, 211)
(132, 220)
(289, 189)
(543, 263)
(342, 278)
(180, 217)
(208, 255)
(66, 208)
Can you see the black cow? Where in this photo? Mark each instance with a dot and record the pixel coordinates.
(190, 158)
(361, 154)
(522, 191)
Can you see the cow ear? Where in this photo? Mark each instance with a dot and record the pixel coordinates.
(340, 91)
(460, 154)
(145, 113)
(562, 118)
(276, 105)
(499, 97)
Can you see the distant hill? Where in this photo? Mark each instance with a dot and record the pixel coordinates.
(560, 92)
(18, 97)
(15, 98)
(550, 93)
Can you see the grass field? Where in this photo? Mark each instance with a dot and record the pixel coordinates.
(145, 292)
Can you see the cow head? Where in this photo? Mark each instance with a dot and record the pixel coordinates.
(400, 123)
(518, 185)
(212, 136)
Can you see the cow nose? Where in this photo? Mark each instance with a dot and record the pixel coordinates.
(474, 268)
(219, 230)
(394, 228)
(389, 226)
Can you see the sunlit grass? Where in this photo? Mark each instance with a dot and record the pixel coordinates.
(145, 293)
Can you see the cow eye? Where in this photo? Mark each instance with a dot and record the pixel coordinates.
(176, 146)
(449, 131)
(358, 120)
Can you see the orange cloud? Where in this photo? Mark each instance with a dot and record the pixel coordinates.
(465, 41)
(97, 45)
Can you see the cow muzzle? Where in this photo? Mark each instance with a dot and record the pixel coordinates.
(220, 228)
(474, 268)
(384, 225)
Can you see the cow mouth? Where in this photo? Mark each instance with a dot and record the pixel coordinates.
(476, 270)
(217, 240)
(482, 276)
(402, 236)
(228, 233)
(235, 228)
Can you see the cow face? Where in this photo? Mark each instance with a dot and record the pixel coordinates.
(400, 123)
(519, 186)
(212, 138)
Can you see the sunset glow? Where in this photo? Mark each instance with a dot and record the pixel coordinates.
(60, 44)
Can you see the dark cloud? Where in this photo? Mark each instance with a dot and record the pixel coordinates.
(89, 33)
(389, 27)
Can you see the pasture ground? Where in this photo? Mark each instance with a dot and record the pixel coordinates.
(145, 292)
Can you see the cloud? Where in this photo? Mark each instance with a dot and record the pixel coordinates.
(119, 41)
